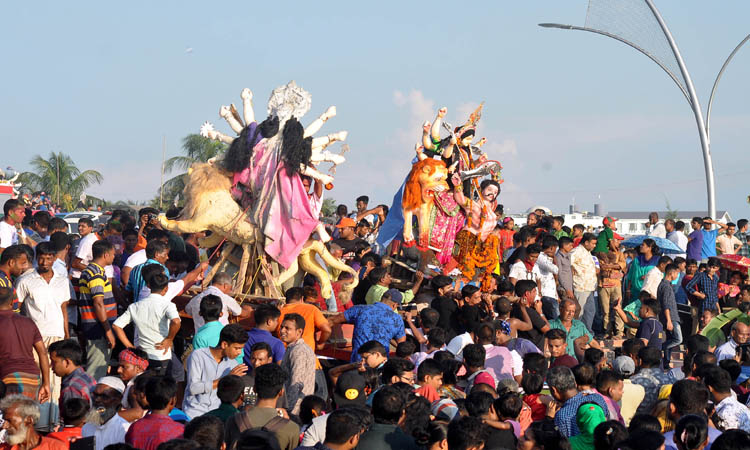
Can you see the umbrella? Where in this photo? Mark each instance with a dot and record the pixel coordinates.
(667, 247)
(735, 262)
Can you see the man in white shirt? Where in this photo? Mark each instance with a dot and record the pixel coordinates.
(83, 255)
(655, 228)
(548, 279)
(526, 267)
(107, 426)
(655, 275)
(10, 231)
(740, 335)
(156, 324)
(676, 234)
(221, 286)
(727, 243)
(584, 278)
(61, 244)
(468, 318)
(44, 295)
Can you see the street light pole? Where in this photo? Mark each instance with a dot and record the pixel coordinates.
(695, 103)
(688, 90)
(716, 84)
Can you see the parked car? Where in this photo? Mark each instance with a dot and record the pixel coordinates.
(73, 218)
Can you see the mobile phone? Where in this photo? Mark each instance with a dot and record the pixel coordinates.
(86, 443)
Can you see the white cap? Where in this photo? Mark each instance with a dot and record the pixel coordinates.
(113, 382)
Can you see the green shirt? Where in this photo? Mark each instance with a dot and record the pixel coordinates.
(602, 241)
(376, 291)
(224, 412)
(577, 329)
(560, 233)
(208, 336)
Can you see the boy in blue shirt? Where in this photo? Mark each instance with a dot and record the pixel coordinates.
(708, 249)
(650, 330)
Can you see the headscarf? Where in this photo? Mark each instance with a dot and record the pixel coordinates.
(128, 356)
(588, 417)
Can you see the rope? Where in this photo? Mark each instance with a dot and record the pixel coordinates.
(236, 222)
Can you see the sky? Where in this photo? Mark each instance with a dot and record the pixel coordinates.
(572, 116)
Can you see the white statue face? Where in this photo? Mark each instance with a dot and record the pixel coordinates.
(465, 142)
(490, 193)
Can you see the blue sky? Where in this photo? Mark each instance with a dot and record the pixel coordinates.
(569, 114)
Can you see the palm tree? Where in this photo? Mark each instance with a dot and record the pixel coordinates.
(197, 149)
(59, 177)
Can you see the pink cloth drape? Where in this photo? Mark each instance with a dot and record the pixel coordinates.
(280, 205)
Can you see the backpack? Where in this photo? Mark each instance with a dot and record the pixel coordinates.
(272, 426)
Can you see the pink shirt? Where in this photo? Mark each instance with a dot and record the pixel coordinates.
(498, 361)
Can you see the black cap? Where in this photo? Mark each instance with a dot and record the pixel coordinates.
(350, 389)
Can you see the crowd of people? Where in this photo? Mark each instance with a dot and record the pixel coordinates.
(577, 343)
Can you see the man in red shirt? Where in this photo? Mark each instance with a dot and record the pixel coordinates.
(156, 427)
(18, 336)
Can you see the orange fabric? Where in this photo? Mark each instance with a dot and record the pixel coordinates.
(141, 243)
(45, 444)
(66, 434)
(313, 320)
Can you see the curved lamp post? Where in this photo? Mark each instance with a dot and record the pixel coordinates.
(687, 90)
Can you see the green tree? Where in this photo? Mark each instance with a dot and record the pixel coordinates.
(329, 207)
(59, 177)
(196, 149)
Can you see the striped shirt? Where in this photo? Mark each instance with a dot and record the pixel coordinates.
(701, 282)
(7, 283)
(136, 281)
(94, 283)
(77, 384)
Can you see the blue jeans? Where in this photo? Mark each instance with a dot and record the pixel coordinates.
(588, 308)
(674, 338)
(550, 308)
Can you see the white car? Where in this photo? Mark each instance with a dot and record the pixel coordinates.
(73, 218)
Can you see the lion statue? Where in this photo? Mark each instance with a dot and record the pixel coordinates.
(439, 217)
(209, 206)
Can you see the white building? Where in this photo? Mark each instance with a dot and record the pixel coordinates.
(629, 223)
(634, 222)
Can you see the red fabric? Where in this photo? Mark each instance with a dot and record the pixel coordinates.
(336, 287)
(428, 392)
(538, 409)
(152, 430)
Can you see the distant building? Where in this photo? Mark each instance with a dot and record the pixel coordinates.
(629, 223)
(634, 222)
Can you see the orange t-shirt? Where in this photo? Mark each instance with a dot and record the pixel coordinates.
(66, 434)
(314, 319)
(45, 444)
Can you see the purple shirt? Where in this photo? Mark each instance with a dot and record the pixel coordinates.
(695, 244)
(257, 335)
